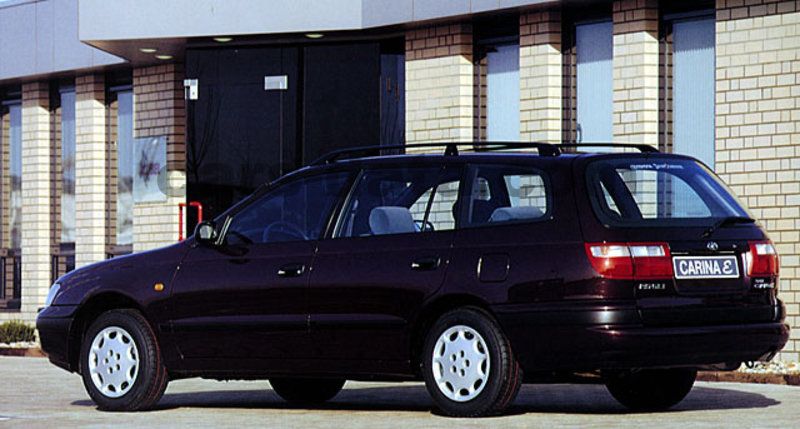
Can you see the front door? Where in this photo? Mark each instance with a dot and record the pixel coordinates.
(246, 297)
(389, 252)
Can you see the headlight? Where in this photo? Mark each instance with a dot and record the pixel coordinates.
(52, 294)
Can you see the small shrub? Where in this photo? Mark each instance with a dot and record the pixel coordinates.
(15, 331)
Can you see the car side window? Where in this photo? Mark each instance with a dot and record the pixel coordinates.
(502, 194)
(401, 201)
(296, 211)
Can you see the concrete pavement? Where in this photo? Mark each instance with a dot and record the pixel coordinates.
(35, 394)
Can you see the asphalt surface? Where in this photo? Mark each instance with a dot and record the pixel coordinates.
(35, 394)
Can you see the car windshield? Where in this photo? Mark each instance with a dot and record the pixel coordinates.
(651, 191)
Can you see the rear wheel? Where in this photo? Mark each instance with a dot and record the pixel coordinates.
(468, 365)
(306, 390)
(121, 362)
(652, 389)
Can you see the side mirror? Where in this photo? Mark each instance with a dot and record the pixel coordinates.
(205, 233)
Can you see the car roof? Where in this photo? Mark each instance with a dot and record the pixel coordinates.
(509, 157)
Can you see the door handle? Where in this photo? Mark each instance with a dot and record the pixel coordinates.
(291, 270)
(426, 264)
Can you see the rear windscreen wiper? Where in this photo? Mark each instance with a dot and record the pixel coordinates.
(730, 220)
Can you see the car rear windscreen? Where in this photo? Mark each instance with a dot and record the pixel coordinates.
(650, 191)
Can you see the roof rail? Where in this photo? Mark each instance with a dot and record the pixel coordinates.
(644, 148)
(451, 148)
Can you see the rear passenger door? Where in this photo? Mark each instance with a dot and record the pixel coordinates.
(519, 226)
(388, 253)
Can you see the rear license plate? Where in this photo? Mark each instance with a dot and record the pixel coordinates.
(705, 267)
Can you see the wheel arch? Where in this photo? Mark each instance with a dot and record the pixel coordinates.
(89, 311)
(428, 316)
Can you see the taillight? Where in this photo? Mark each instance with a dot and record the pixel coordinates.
(762, 260)
(630, 261)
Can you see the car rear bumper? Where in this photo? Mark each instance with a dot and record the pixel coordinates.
(615, 338)
(54, 324)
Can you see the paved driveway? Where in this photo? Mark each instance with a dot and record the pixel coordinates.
(35, 394)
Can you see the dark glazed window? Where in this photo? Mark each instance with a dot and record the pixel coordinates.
(296, 211)
(503, 194)
(15, 172)
(68, 165)
(125, 167)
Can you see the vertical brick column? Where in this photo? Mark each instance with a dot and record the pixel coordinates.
(758, 128)
(36, 193)
(636, 71)
(540, 74)
(439, 84)
(159, 110)
(91, 165)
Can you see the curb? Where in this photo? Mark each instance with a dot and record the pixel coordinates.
(24, 352)
(749, 377)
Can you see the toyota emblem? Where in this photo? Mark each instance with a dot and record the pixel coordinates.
(712, 246)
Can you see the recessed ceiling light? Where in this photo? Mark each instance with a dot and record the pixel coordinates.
(147, 50)
(223, 39)
(164, 57)
(314, 35)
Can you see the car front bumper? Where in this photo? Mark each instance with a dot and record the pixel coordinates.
(54, 325)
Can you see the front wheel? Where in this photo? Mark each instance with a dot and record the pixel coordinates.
(121, 363)
(650, 389)
(468, 365)
(306, 390)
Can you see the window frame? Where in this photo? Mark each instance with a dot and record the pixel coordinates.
(265, 190)
(468, 180)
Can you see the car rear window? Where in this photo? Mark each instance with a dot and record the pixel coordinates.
(658, 192)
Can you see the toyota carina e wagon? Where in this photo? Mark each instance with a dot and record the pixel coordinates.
(475, 272)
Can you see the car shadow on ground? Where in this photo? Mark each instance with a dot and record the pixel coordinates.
(556, 398)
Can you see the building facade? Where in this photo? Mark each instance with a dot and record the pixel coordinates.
(115, 114)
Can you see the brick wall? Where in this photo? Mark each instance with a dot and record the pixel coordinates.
(159, 110)
(636, 67)
(540, 75)
(439, 84)
(36, 197)
(91, 170)
(758, 127)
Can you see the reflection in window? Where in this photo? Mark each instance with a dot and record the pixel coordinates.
(15, 173)
(595, 90)
(502, 93)
(68, 166)
(693, 89)
(125, 167)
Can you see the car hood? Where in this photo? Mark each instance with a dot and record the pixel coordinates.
(123, 274)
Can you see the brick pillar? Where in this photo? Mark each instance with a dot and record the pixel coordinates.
(36, 194)
(758, 128)
(91, 166)
(636, 66)
(540, 74)
(439, 84)
(159, 110)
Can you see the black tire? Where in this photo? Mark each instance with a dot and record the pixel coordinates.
(504, 375)
(151, 379)
(307, 391)
(651, 389)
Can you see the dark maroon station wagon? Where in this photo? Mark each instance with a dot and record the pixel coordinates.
(474, 272)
